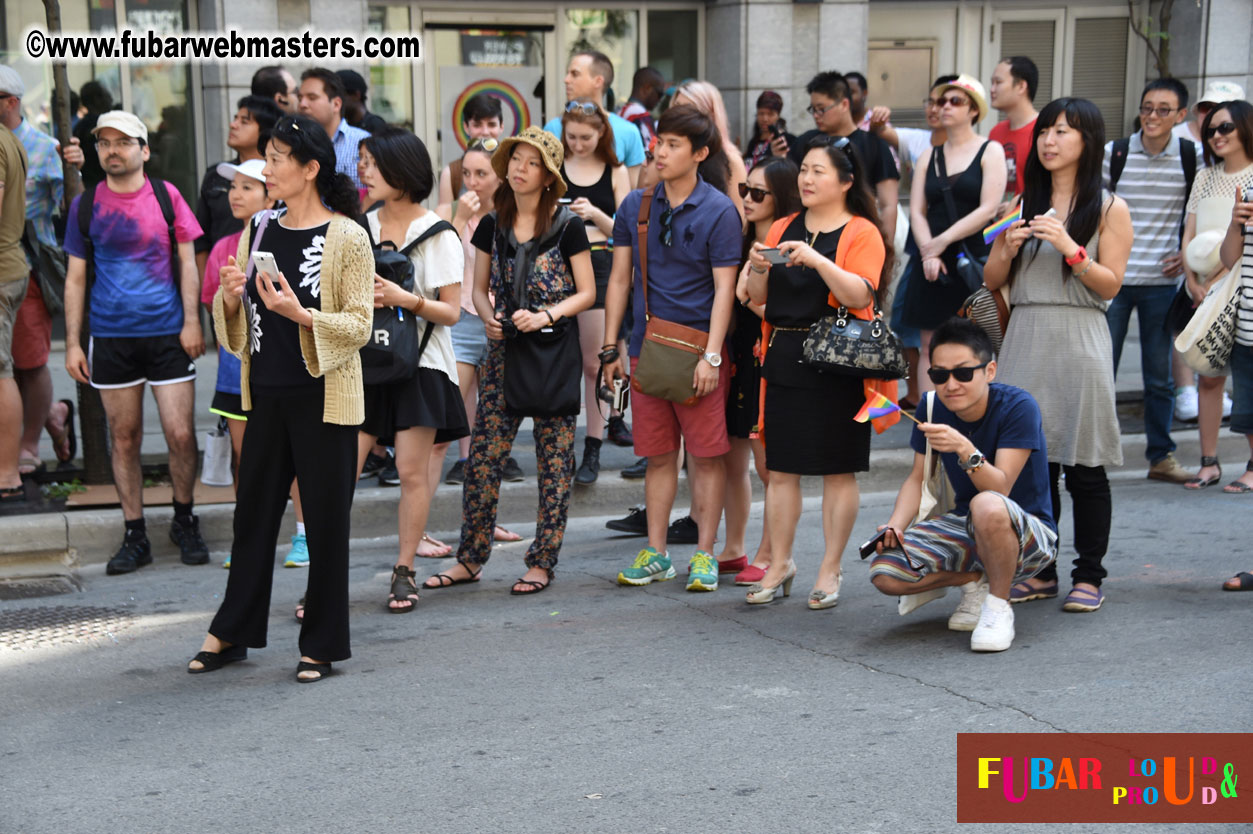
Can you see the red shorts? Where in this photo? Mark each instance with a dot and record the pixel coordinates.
(658, 424)
(32, 331)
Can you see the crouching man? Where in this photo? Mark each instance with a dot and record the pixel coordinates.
(1001, 530)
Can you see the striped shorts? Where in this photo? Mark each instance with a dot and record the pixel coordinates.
(947, 543)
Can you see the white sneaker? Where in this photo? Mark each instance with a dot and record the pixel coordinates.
(909, 602)
(1226, 405)
(966, 617)
(1185, 403)
(995, 631)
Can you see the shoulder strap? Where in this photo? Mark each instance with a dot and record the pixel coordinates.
(167, 212)
(85, 204)
(454, 173)
(426, 337)
(1187, 159)
(434, 229)
(1118, 160)
(641, 227)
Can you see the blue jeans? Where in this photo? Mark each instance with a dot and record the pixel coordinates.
(1151, 304)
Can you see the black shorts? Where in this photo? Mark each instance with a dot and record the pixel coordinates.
(123, 362)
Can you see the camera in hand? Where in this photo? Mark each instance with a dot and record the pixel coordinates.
(508, 328)
(617, 395)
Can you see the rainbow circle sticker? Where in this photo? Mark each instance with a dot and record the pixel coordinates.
(513, 102)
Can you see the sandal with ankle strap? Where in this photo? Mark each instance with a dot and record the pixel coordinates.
(404, 589)
(443, 580)
(1201, 483)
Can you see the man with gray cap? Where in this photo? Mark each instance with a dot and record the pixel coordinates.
(14, 272)
(144, 325)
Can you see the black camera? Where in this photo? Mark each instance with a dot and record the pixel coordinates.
(776, 129)
(508, 328)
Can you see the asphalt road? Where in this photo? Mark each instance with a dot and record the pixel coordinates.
(598, 708)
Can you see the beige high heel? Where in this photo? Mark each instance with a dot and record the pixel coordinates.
(759, 594)
(819, 600)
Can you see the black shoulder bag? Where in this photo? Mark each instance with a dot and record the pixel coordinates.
(969, 268)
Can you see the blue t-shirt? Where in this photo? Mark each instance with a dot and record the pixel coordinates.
(706, 228)
(135, 292)
(626, 139)
(1012, 421)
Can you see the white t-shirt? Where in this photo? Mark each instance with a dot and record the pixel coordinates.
(437, 262)
(914, 143)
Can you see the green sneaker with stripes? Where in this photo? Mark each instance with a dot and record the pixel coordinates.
(649, 566)
(702, 572)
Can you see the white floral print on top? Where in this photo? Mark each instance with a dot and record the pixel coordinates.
(311, 266)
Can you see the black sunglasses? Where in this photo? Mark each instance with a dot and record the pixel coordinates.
(667, 228)
(939, 376)
(1222, 129)
(759, 194)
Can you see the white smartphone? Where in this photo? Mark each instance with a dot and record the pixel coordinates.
(265, 263)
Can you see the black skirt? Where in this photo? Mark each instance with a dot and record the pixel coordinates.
(811, 431)
(429, 400)
(744, 392)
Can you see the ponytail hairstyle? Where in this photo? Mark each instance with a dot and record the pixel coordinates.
(699, 129)
(307, 142)
(1037, 181)
(859, 199)
(576, 111)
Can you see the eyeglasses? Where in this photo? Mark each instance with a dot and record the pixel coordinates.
(1221, 129)
(939, 376)
(120, 144)
(584, 107)
(952, 101)
(488, 144)
(1162, 112)
(819, 112)
(931, 102)
(667, 227)
(758, 195)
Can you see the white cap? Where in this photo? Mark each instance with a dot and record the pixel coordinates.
(1202, 255)
(1216, 92)
(123, 122)
(251, 168)
(11, 82)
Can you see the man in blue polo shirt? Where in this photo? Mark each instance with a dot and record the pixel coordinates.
(322, 98)
(693, 248)
(589, 75)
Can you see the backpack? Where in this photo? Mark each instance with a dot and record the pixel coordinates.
(1187, 161)
(394, 349)
(85, 205)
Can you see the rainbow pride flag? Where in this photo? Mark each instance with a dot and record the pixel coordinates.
(990, 233)
(876, 406)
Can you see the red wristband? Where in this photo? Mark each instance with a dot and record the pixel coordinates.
(1079, 257)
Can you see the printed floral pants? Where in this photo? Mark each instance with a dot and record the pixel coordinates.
(495, 428)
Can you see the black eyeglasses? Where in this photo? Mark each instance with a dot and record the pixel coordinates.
(759, 195)
(667, 228)
(939, 376)
(584, 107)
(1162, 112)
(1222, 129)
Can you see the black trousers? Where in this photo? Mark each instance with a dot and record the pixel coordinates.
(1092, 513)
(286, 438)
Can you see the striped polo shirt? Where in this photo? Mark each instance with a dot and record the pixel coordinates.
(1154, 188)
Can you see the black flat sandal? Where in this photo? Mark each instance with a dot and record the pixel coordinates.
(1202, 483)
(212, 661)
(404, 589)
(443, 580)
(532, 587)
(324, 670)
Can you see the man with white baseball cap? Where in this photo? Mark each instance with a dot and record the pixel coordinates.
(134, 234)
(1216, 92)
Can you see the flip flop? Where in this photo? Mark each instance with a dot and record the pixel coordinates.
(1244, 579)
(70, 436)
(29, 465)
(12, 495)
(500, 534)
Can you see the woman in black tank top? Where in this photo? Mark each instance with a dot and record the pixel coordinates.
(596, 184)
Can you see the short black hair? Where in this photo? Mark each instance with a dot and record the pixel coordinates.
(265, 113)
(959, 331)
(601, 65)
(402, 160)
(944, 79)
(268, 82)
(96, 97)
(1170, 85)
(646, 77)
(1023, 68)
(332, 84)
(482, 107)
(859, 78)
(830, 84)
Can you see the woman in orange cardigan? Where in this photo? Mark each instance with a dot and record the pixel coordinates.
(836, 257)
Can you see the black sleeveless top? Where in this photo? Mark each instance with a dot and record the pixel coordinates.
(966, 186)
(599, 194)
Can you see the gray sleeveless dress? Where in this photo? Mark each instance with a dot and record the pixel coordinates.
(1057, 347)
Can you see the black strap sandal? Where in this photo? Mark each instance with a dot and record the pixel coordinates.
(212, 661)
(443, 580)
(532, 586)
(404, 589)
(324, 671)
(1202, 483)
(1240, 487)
(300, 611)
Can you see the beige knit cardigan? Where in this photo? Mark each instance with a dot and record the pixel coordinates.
(340, 328)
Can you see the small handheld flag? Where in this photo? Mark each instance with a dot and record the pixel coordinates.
(991, 232)
(877, 406)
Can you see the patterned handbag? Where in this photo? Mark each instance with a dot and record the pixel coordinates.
(843, 344)
(990, 310)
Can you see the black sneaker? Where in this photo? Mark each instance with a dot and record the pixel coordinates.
(373, 465)
(134, 553)
(191, 547)
(456, 475)
(637, 470)
(589, 469)
(635, 523)
(512, 471)
(388, 476)
(682, 531)
(619, 433)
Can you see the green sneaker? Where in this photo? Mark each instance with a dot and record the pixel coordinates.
(702, 572)
(649, 566)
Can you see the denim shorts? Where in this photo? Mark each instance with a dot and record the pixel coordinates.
(469, 340)
(1242, 389)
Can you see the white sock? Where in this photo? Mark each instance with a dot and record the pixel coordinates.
(1183, 388)
(996, 602)
(300, 528)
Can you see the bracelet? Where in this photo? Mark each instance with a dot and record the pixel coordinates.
(608, 355)
(1085, 269)
(551, 320)
(421, 304)
(758, 271)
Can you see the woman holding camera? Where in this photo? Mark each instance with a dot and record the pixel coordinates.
(557, 284)
(596, 182)
(299, 341)
(770, 126)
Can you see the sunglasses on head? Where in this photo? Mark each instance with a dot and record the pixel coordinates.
(758, 194)
(489, 144)
(1222, 129)
(584, 107)
(939, 376)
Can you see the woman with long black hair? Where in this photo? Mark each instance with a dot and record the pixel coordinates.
(1064, 268)
(298, 339)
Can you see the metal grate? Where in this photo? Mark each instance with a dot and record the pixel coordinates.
(32, 628)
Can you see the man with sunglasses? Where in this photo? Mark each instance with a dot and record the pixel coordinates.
(1153, 171)
(990, 440)
(588, 77)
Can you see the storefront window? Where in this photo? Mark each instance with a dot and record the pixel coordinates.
(673, 44)
(614, 32)
(391, 84)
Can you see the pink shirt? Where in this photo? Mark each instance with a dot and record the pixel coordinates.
(221, 250)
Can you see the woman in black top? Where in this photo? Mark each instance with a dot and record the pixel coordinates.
(770, 125)
(977, 175)
(596, 183)
(836, 256)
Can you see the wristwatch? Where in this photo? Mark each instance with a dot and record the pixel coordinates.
(714, 359)
(973, 462)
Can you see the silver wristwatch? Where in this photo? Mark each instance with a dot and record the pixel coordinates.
(973, 462)
(714, 359)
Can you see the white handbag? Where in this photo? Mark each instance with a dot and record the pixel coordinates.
(216, 470)
(1205, 344)
(937, 491)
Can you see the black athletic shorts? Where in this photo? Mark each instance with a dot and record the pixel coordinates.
(123, 362)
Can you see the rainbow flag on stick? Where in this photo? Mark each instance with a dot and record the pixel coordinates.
(877, 406)
(990, 233)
